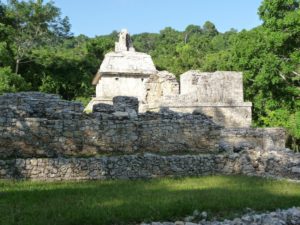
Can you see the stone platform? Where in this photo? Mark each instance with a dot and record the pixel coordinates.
(44, 137)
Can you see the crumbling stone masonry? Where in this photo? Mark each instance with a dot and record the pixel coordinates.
(218, 95)
(255, 162)
(41, 125)
(44, 137)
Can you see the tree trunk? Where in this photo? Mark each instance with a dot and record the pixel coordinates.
(17, 66)
(186, 37)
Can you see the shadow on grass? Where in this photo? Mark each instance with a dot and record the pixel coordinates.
(131, 202)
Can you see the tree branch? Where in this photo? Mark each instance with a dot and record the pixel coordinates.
(282, 76)
(297, 74)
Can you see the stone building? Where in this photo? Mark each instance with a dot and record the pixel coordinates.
(123, 72)
(126, 72)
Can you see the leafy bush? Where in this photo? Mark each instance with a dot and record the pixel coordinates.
(11, 82)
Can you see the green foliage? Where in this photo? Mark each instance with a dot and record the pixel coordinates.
(84, 100)
(11, 82)
(99, 46)
(66, 71)
(284, 118)
(210, 29)
(145, 42)
(34, 24)
(280, 14)
(294, 128)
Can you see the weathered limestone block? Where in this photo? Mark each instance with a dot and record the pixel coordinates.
(220, 86)
(218, 95)
(159, 86)
(126, 104)
(103, 108)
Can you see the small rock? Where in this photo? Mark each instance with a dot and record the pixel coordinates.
(295, 169)
(204, 215)
(189, 223)
(179, 223)
(121, 114)
(189, 218)
(196, 213)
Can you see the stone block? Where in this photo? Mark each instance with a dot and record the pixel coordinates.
(125, 103)
(103, 108)
(295, 169)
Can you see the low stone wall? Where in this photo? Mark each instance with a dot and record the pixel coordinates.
(280, 163)
(41, 125)
(44, 137)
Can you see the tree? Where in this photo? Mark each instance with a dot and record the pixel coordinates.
(210, 29)
(34, 24)
(6, 53)
(11, 82)
(145, 42)
(280, 14)
(191, 29)
(99, 46)
(269, 56)
(66, 69)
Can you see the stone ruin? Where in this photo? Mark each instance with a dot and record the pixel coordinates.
(126, 72)
(43, 137)
(143, 124)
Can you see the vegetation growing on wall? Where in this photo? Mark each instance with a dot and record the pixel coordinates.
(38, 52)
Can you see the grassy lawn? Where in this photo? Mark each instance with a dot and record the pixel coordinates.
(131, 202)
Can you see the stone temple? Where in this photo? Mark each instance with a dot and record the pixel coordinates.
(126, 72)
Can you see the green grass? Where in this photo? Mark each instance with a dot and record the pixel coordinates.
(131, 202)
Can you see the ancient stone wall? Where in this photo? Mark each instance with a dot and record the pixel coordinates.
(265, 138)
(218, 95)
(42, 125)
(254, 162)
(44, 137)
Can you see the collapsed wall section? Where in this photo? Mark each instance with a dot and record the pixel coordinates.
(41, 125)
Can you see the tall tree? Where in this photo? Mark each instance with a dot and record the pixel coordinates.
(210, 29)
(34, 24)
(191, 29)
